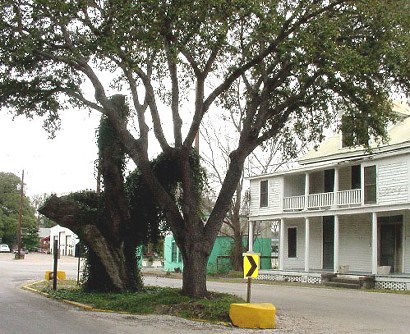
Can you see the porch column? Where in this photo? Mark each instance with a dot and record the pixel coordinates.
(282, 244)
(374, 243)
(250, 236)
(307, 187)
(307, 244)
(336, 187)
(336, 245)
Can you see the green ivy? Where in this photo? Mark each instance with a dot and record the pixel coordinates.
(143, 207)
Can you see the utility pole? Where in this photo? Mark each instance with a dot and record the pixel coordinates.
(19, 255)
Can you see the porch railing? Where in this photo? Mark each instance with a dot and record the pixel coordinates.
(294, 203)
(321, 200)
(349, 197)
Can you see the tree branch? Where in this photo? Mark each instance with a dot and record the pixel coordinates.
(173, 71)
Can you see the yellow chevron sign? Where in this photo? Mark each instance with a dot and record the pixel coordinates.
(250, 265)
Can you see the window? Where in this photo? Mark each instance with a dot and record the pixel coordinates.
(356, 177)
(264, 194)
(370, 184)
(176, 255)
(292, 241)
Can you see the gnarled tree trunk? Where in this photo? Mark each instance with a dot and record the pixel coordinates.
(103, 221)
(112, 264)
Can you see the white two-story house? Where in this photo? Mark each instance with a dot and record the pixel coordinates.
(342, 210)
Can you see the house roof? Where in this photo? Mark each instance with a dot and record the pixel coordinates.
(43, 232)
(330, 152)
(321, 165)
(331, 148)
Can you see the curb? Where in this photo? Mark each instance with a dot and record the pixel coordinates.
(85, 307)
(29, 287)
(90, 308)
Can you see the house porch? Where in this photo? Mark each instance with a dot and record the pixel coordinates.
(397, 282)
(372, 244)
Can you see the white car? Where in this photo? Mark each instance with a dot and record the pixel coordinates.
(4, 248)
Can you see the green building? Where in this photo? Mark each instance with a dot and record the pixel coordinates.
(219, 260)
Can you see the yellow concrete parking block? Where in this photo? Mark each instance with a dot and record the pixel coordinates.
(60, 275)
(253, 315)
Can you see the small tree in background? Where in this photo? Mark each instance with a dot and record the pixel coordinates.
(219, 138)
(42, 221)
(9, 213)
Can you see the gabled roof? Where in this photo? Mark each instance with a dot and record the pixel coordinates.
(401, 108)
(43, 232)
(331, 148)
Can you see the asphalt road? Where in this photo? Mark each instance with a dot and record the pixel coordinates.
(299, 309)
(24, 312)
(322, 310)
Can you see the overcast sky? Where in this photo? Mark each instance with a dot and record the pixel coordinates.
(59, 165)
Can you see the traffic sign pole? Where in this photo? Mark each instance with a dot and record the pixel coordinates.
(248, 292)
(56, 251)
(250, 236)
(250, 250)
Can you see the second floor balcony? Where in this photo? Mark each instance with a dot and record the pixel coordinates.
(350, 197)
(344, 186)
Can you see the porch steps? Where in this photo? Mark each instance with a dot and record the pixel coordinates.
(349, 281)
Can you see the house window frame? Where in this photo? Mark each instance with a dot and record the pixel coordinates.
(292, 246)
(175, 253)
(264, 193)
(370, 185)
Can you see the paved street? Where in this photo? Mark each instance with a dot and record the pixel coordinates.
(299, 309)
(23, 312)
(323, 310)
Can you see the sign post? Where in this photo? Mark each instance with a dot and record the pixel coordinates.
(250, 270)
(78, 253)
(56, 251)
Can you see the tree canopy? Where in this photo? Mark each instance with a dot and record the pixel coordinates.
(300, 64)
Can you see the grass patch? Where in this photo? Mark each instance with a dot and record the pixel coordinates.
(153, 300)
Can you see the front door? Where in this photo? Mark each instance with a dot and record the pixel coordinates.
(328, 242)
(390, 243)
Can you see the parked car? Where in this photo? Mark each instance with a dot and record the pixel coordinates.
(4, 248)
(25, 251)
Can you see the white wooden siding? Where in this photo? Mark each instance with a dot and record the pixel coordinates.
(255, 193)
(299, 261)
(275, 195)
(345, 178)
(355, 242)
(315, 246)
(393, 182)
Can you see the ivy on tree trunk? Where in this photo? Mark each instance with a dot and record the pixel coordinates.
(102, 220)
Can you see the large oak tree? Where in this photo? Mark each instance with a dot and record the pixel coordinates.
(302, 64)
